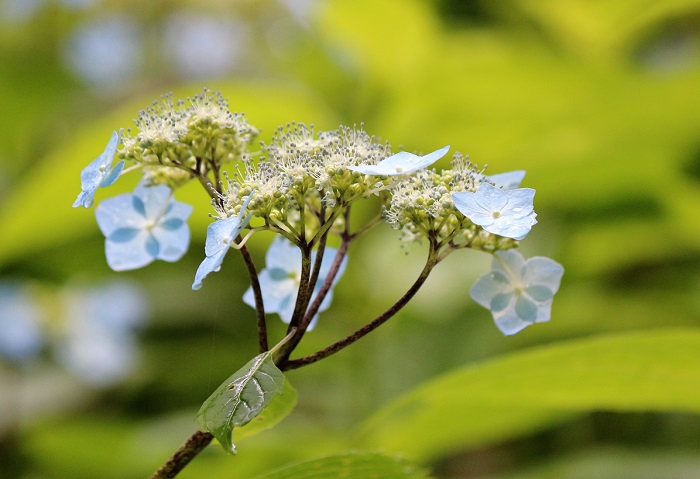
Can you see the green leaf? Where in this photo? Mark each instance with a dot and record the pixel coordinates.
(240, 399)
(521, 393)
(354, 465)
(279, 407)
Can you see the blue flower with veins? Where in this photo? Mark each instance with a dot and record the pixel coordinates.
(99, 174)
(279, 281)
(518, 292)
(507, 213)
(144, 226)
(401, 163)
(220, 236)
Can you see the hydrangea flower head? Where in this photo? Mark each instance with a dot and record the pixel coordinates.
(220, 236)
(143, 226)
(279, 281)
(20, 330)
(507, 213)
(99, 174)
(518, 292)
(98, 341)
(401, 163)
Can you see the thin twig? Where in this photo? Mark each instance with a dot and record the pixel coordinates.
(180, 458)
(257, 294)
(369, 327)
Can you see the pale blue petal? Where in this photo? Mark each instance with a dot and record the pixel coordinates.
(96, 172)
(86, 197)
(124, 235)
(539, 293)
(526, 309)
(508, 180)
(209, 265)
(488, 287)
(501, 301)
(283, 255)
(138, 205)
(510, 262)
(172, 233)
(117, 213)
(509, 322)
(129, 255)
(171, 224)
(401, 163)
(277, 294)
(220, 236)
(154, 199)
(510, 227)
(152, 246)
(520, 202)
(286, 308)
(113, 175)
(543, 271)
(544, 311)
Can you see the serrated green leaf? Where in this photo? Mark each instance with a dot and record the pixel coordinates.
(354, 465)
(241, 398)
(521, 393)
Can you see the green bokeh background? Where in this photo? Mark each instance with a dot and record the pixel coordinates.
(598, 101)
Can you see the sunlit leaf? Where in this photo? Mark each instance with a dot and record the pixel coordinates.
(356, 465)
(279, 407)
(240, 399)
(521, 393)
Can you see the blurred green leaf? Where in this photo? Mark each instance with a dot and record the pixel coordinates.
(504, 398)
(613, 463)
(355, 465)
(242, 397)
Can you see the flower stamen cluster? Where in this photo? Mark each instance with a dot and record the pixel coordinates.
(177, 141)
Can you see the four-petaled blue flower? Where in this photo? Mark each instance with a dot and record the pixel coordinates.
(401, 163)
(99, 173)
(144, 226)
(220, 235)
(507, 213)
(518, 292)
(279, 281)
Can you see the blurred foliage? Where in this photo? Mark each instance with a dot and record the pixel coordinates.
(596, 100)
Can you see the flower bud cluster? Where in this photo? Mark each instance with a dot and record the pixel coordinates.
(421, 206)
(305, 174)
(176, 141)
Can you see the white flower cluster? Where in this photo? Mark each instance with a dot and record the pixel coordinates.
(179, 140)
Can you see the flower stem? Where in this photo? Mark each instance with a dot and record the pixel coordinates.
(257, 294)
(180, 458)
(432, 260)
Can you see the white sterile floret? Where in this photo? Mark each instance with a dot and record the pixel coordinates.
(518, 292)
(99, 173)
(401, 163)
(144, 226)
(507, 213)
(220, 237)
(280, 280)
